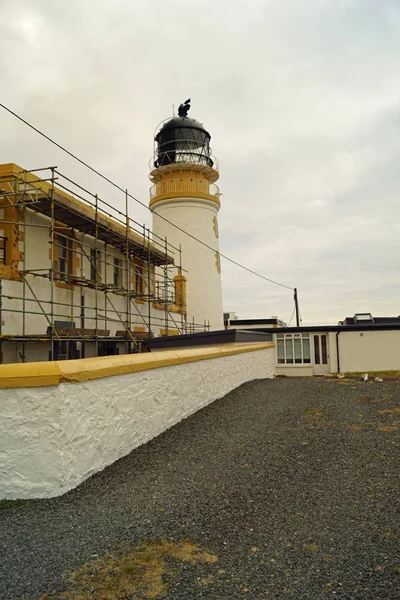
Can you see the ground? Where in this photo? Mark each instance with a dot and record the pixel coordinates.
(285, 488)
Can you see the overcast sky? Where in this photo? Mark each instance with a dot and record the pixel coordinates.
(301, 97)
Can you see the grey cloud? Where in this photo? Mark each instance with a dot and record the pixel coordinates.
(302, 100)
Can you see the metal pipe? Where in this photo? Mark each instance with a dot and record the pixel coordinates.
(337, 351)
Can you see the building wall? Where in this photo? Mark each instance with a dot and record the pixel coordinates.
(198, 217)
(359, 351)
(369, 351)
(294, 370)
(38, 256)
(55, 435)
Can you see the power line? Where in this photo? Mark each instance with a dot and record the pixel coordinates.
(85, 164)
(291, 318)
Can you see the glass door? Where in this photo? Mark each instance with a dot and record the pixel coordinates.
(320, 346)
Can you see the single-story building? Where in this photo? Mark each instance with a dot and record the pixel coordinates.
(354, 345)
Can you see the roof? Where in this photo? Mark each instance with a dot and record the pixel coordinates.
(271, 321)
(332, 328)
(182, 122)
(207, 338)
(82, 216)
(368, 323)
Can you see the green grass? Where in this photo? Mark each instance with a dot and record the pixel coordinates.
(5, 504)
(375, 374)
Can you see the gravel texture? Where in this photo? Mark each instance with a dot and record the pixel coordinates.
(293, 484)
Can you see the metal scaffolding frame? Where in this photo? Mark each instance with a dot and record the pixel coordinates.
(92, 224)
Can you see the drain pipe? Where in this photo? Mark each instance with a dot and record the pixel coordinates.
(337, 351)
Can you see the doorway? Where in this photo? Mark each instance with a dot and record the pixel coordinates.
(320, 347)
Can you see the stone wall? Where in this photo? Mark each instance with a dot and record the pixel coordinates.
(81, 418)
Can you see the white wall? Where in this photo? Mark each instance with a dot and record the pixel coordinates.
(369, 351)
(53, 438)
(204, 291)
(294, 370)
(37, 256)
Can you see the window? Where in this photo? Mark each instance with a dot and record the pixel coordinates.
(293, 348)
(3, 254)
(117, 272)
(95, 264)
(139, 281)
(64, 262)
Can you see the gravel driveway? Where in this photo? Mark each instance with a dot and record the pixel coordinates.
(290, 485)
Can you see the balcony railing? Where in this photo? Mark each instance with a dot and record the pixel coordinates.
(176, 157)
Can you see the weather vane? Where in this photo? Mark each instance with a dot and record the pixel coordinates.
(184, 108)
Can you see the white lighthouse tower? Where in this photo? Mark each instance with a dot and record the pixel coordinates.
(184, 193)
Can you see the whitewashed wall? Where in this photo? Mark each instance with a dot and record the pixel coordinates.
(37, 238)
(53, 438)
(369, 351)
(196, 216)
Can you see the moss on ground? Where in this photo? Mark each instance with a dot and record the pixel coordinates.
(134, 573)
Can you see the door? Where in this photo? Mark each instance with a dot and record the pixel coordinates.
(320, 344)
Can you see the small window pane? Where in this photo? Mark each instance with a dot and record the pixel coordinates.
(281, 351)
(316, 350)
(289, 351)
(323, 350)
(306, 351)
(297, 350)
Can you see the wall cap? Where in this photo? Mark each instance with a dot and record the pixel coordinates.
(39, 374)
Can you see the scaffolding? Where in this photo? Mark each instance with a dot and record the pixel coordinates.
(143, 296)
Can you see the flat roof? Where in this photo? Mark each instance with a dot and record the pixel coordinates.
(327, 328)
(223, 336)
(271, 320)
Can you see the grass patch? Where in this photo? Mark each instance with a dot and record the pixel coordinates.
(392, 374)
(356, 427)
(387, 428)
(6, 504)
(134, 574)
(389, 411)
(314, 412)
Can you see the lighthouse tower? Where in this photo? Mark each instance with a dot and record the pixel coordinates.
(184, 193)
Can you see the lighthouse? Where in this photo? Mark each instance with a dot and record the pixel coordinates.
(184, 194)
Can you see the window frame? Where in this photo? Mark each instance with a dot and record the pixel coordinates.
(291, 355)
(139, 279)
(117, 273)
(95, 265)
(65, 269)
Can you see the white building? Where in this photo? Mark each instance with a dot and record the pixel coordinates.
(81, 278)
(357, 344)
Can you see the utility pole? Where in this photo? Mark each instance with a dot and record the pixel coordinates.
(296, 304)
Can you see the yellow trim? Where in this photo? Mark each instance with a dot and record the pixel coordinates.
(218, 262)
(215, 226)
(167, 332)
(86, 369)
(160, 172)
(14, 235)
(172, 308)
(11, 170)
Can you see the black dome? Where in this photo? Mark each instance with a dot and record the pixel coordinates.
(180, 122)
(183, 140)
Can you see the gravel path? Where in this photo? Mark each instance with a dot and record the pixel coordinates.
(293, 484)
